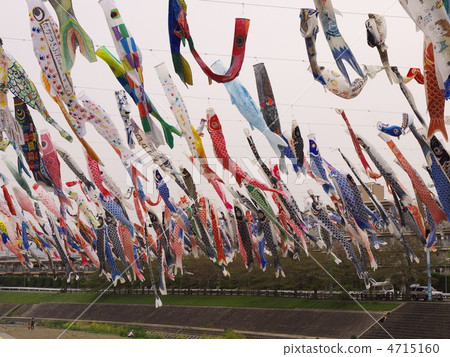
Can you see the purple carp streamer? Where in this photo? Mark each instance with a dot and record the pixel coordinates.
(74, 215)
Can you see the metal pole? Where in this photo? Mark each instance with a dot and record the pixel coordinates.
(429, 275)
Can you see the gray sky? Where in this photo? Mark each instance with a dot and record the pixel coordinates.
(274, 38)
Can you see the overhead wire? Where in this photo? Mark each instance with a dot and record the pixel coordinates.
(291, 8)
(208, 99)
(151, 50)
(243, 4)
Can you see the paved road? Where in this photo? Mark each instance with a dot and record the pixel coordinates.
(5, 336)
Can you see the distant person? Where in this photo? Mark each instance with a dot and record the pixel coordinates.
(32, 323)
(383, 319)
(131, 334)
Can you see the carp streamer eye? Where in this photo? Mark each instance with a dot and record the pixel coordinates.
(239, 41)
(214, 124)
(38, 13)
(43, 144)
(20, 114)
(115, 14)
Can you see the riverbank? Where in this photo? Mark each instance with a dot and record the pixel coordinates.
(177, 300)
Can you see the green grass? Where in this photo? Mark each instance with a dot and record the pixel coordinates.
(228, 333)
(274, 302)
(107, 329)
(229, 301)
(123, 330)
(35, 298)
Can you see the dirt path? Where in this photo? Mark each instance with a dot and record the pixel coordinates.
(49, 333)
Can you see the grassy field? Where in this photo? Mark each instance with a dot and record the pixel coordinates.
(229, 301)
(102, 328)
(123, 330)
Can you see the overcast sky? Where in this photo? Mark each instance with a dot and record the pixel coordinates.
(274, 38)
